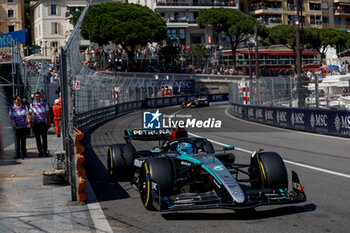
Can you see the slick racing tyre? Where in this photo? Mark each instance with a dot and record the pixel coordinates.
(120, 161)
(273, 172)
(156, 179)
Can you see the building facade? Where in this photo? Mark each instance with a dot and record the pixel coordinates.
(316, 13)
(51, 25)
(180, 17)
(11, 15)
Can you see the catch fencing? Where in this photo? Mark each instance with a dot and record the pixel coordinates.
(282, 102)
(314, 92)
(90, 97)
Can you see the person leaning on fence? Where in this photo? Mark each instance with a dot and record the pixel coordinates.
(20, 117)
(39, 111)
(56, 109)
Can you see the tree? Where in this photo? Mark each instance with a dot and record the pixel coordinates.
(321, 39)
(199, 52)
(235, 24)
(284, 35)
(129, 25)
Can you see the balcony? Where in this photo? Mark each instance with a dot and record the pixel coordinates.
(265, 10)
(341, 12)
(341, 1)
(181, 22)
(271, 22)
(195, 5)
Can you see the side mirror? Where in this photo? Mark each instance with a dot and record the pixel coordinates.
(225, 148)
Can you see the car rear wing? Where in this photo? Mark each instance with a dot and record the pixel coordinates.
(154, 134)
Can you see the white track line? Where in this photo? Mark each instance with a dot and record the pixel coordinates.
(286, 161)
(98, 218)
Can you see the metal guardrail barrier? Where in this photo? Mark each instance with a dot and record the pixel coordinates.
(87, 120)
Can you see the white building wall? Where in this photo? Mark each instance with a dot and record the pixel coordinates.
(44, 24)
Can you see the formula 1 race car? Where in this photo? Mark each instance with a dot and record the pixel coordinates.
(197, 102)
(185, 173)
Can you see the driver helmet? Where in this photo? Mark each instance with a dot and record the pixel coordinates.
(185, 148)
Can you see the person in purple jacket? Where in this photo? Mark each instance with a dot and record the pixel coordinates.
(39, 111)
(19, 116)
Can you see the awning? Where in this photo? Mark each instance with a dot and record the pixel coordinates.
(76, 5)
(344, 4)
(315, 1)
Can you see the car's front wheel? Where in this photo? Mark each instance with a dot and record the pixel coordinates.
(120, 161)
(269, 171)
(155, 181)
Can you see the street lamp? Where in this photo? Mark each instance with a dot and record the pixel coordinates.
(45, 52)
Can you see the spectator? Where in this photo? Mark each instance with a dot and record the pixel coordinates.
(39, 111)
(20, 118)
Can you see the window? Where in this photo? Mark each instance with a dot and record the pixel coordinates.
(347, 22)
(11, 28)
(53, 9)
(324, 6)
(325, 19)
(196, 39)
(337, 20)
(10, 1)
(10, 13)
(54, 28)
(182, 33)
(54, 44)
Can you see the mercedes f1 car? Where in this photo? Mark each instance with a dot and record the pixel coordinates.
(197, 102)
(185, 173)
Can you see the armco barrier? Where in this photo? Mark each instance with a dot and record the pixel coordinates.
(330, 122)
(89, 119)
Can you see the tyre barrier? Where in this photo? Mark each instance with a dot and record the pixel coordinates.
(80, 159)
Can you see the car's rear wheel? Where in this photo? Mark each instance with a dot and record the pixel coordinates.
(269, 171)
(155, 181)
(120, 161)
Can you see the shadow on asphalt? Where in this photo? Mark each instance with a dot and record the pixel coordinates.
(98, 175)
(241, 215)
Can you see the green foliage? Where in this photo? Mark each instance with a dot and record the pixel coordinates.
(237, 25)
(282, 34)
(129, 25)
(75, 17)
(123, 23)
(199, 52)
(320, 39)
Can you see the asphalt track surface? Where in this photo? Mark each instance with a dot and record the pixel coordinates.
(322, 163)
